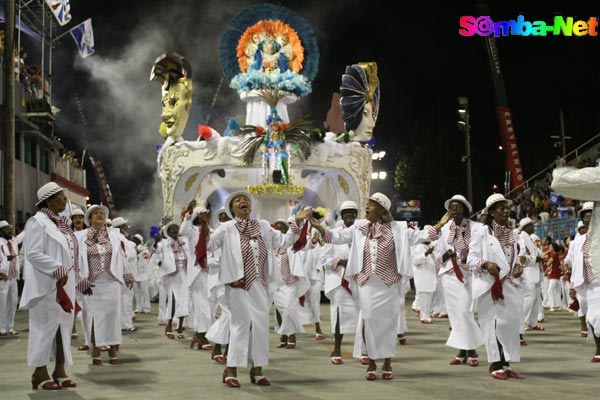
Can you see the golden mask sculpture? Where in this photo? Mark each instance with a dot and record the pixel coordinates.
(175, 74)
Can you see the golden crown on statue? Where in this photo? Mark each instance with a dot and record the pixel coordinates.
(275, 190)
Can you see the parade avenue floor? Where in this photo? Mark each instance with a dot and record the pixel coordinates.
(555, 365)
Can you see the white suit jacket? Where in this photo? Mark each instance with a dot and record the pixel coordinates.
(484, 246)
(333, 279)
(531, 269)
(118, 262)
(46, 250)
(574, 258)
(165, 254)
(443, 246)
(403, 239)
(227, 238)
(424, 269)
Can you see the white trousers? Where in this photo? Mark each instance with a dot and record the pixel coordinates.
(142, 296)
(126, 307)
(465, 333)
(312, 303)
(176, 285)
(203, 308)
(163, 302)
(554, 293)
(532, 300)
(219, 330)
(249, 326)
(8, 304)
(500, 322)
(425, 299)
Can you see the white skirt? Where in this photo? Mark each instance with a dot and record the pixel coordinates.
(287, 303)
(103, 311)
(345, 305)
(378, 305)
(176, 285)
(45, 318)
(465, 333)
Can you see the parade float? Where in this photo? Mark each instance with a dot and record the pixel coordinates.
(270, 56)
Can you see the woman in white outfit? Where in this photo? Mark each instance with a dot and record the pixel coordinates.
(246, 268)
(494, 257)
(103, 267)
(176, 262)
(451, 252)
(379, 260)
(425, 278)
(51, 269)
(341, 292)
(289, 283)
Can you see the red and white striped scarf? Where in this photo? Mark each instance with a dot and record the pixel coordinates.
(507, 240)
(98, 261)
(12, 268)
(588, 272)
(62, 223)
(386, 266)
(178, 254)
(286, 273)
(460, 236)
(249, 230)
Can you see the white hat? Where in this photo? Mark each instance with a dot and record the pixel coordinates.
(524, 222)
(382, 200)
(535, 237)
(460, 198)
(229, 199)
(139, 237)
(221, 211)
(493, 199)
(166, 228)
(108, 222)
(281, 221)
(4, 224)
(291, 219)
(86, 218)
(119, 221)
(587, 206)
(77, 211)
(47, 191)
(198, 210)
(347, 205)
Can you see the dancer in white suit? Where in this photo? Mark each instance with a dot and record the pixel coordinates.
(494, 257)
(532, 276)
(176, 262)
(341, 292)
(451, 252)
(204, 304)
(246, 269)
(105, 269)
(289, 283)
(9, 273)
(140, 288)
(51, 270)
(425, 278)
(379, 260)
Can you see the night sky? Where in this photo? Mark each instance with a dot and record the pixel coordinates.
(424, 64)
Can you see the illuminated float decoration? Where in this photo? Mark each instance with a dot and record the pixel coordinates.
(270, 55)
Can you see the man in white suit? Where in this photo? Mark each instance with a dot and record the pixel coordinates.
(9, 273)
(532, 276)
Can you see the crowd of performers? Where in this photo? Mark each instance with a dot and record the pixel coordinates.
(221, 281)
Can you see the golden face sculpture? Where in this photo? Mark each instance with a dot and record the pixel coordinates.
(176, 104)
